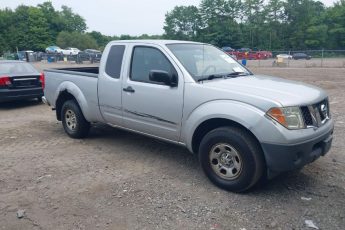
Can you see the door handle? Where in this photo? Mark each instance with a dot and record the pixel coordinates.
(129, 89)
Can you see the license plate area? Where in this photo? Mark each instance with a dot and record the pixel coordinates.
(25, 82)
(326, 144)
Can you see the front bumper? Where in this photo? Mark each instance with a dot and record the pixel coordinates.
(19, 94)
(282, 158)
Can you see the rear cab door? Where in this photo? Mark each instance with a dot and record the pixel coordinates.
(110, 83)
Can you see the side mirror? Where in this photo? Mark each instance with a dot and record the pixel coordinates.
(163, 77)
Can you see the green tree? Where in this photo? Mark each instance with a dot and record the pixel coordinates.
(316, 36)
(102, 40)
(335, 19)
(34, 28)
(299, 16)
(38, 36)
(75, 39)
(6, 20)
(220, 22)
(182, 23)
(71, 21)
(55, 22)
(273, 27)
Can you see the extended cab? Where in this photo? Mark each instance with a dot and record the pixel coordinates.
(243, 126)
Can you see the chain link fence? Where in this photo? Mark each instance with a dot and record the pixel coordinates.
(50, 57)
(318, 59)
(292, 59)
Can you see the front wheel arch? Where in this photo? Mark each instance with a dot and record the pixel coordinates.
(219, 166)
(214, 123)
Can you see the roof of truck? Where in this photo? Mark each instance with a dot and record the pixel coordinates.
(158, 41)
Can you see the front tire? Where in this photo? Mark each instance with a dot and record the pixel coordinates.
(231, 158)
(73, 120)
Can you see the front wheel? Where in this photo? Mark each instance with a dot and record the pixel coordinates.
(73, 120)
(231, 158)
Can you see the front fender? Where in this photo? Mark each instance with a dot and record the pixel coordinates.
(244, 114)
(74, 90)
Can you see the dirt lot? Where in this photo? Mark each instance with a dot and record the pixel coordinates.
(119, 180)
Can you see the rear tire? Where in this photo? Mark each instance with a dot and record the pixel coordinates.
(231, 158)
(73, 120)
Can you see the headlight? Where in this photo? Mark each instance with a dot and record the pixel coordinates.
(289, 117)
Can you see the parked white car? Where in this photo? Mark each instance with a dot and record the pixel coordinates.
(284, 56)
(54, 49)
(70, 51)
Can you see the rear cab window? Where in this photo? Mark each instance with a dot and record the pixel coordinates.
(114, 62)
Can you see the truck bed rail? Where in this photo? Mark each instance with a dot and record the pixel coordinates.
(83, 71)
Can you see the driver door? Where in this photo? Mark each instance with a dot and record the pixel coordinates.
(150, 107)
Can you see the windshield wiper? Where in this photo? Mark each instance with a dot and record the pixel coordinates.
(211, 77)
(235, 74)
(226, 75)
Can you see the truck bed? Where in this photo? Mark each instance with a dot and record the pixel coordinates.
(82, 82)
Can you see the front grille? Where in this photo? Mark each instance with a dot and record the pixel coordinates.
(323, 109)
(317, 114)
(308, 120)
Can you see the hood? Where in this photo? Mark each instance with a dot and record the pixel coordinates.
(281, 91)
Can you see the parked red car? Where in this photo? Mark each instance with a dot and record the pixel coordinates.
(249, 54)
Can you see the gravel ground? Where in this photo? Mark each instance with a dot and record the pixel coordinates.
(119, 180)
(313, 63)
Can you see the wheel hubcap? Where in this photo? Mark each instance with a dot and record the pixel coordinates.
(71, 119)
(225, 161)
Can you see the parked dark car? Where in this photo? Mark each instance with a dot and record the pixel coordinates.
(90, 55)
(297, 56)
(227, 49)
(27, 55)
(20, 80)
(244, 50)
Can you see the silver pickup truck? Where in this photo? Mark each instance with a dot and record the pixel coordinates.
(243, 126)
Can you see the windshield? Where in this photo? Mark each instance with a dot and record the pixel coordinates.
(203, 60)
(14, 68)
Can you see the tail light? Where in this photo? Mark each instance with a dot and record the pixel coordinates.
(42, 80)
(5, 81)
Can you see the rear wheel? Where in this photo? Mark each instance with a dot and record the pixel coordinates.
(231, 158)
(73, 120)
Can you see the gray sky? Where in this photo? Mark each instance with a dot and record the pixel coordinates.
(116, 17)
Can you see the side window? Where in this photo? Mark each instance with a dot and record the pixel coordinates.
(144, 60)
(114, 61)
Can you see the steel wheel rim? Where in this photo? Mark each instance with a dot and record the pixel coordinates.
(225, 161)
(71, 120)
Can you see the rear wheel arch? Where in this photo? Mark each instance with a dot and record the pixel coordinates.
(62, 98)
(73, 120)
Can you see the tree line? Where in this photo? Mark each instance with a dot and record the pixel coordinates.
(37, 27)
(272, 25)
